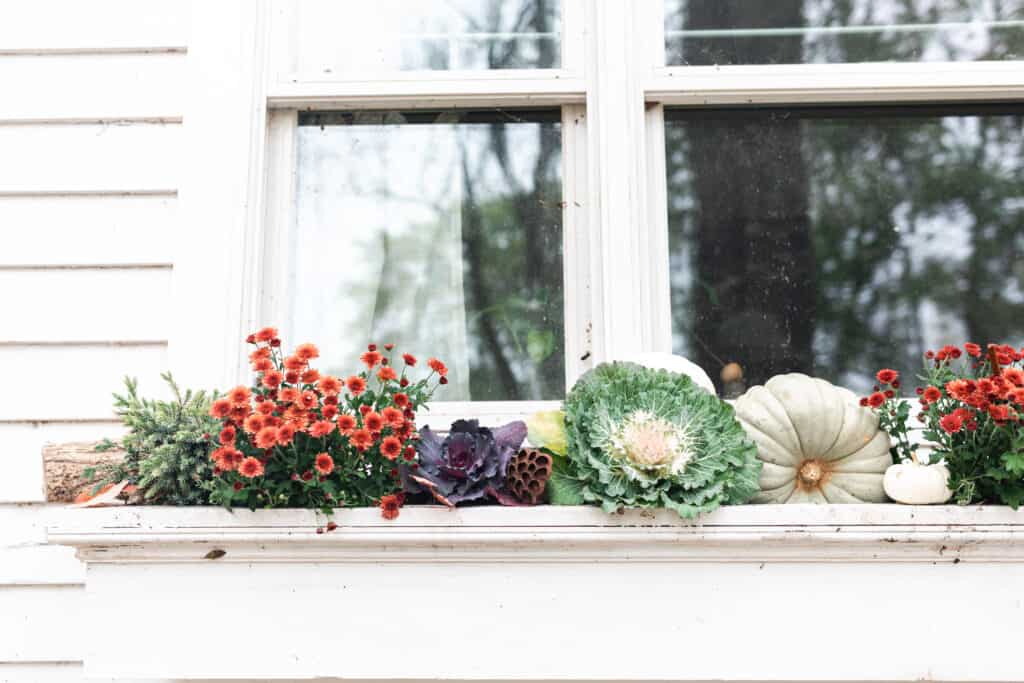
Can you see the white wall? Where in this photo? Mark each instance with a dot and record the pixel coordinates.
(90, 136)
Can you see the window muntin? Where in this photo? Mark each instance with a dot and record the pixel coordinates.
(353, 39)
(837, 241)
(437, 231)
(714, 32)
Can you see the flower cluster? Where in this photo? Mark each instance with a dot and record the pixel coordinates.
(297, 438)
(972, 408)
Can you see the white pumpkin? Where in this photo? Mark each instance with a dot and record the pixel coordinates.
(916, 484)
(817, 443)
(672, 363)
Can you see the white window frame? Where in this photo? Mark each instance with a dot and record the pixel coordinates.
(612, 87)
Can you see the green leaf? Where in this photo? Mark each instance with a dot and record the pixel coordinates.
(1014, 462)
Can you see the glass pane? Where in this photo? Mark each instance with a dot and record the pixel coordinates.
(441, 233)
(836, 242)
(357, 38)
(703, 32)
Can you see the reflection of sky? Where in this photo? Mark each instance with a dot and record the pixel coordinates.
(378, 237)
(386, 35)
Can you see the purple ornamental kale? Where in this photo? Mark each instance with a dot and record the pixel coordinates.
(466, 465)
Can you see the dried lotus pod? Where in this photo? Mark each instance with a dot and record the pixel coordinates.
(528, 474)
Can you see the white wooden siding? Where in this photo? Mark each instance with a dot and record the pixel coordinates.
(90, 129)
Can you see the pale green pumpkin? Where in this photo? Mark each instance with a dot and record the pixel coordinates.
(817, 443)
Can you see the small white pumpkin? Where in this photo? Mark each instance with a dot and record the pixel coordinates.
(817, 443)
(917, 484)
(672, 363)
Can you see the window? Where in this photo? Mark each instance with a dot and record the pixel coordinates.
(437, 231)
(806, 185)
(834, 241)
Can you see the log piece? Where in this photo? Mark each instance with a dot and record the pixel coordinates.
(65, 465)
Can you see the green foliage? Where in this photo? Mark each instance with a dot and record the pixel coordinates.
(167, 446)
(622, 418)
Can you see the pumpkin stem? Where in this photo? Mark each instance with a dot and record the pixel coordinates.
(811, 473)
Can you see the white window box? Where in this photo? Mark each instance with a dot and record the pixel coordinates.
(753, 593)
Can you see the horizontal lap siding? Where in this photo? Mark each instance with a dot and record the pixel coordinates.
(90, 129)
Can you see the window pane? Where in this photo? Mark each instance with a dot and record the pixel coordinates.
(356, 38)
(439, 232)
(835, 242)
(702, 32)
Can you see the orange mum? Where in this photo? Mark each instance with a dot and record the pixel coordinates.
(266, 334)
(254, 423)
(393, 416)
(285, 433)
(437, 366)
(310, 376)
(386, 373)
(289, 395)
(390, 448)
(356, 385)
(272, 379)
(329, 411)
(220, 408)
(373, 421)
(227, 436)
(308, 399)
(390, 506)
(321, 428)
(266, 437)
(307, 352)
(361, 439)
(401, 400)
(346, 424)
(329, 385)
(262, 365)
(240, 395)
(294, 363)
(251, 468)
(371, 358)
(324, 464)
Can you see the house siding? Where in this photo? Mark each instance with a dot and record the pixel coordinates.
(91, 140)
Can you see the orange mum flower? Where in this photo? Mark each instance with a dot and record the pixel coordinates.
(272, 379)
(266, 437)
(390, 448)
(321, 428)
(227, 436)
(262, 352)
(240, 395)
(346, 424)
(251, 468)
(437, 366)
(386, 373)
(262, 365)
(356, 385)
(329, 411)
(254, 423)
(401, 400)
(239, 413)
(1014, 375)
(291, 377)
(393, 416)
(324, 464)
(373, 421)
(265, 407)
(294, 363)
(371, 358)
(409, 359)
(307, 352)
(266, 334)
(329, 385)
(285, 433)
(361, 439)
(309, 399)
(390, 506)
(220, 408)
(289, 395)
(310, 376)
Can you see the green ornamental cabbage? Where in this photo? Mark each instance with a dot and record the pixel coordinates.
(644, 438)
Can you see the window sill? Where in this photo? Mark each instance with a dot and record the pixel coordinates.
(750, 593)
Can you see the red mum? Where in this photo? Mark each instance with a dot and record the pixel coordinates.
(356, 385)
(387, 373)
(272, 379)
(227, 436)
(324, 464)
(1014, 375)
(371, 359)
(887, 376)
(437, 366)
(251, 468)
(266, 334)
(401, 400)
(972, 349)
(390, 448)
(952, 423)
(308, 399)
(931, 395)
(876, 399)
(262, 365)
(409, 359)
(373, 421)
(390, 506)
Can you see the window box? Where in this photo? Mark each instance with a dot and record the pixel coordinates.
(846, 592)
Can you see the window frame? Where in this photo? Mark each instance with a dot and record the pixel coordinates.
(612, 87)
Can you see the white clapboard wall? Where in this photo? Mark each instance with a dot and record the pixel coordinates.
(90, 140)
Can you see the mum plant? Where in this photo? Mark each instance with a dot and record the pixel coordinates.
(972, 407)
(297, 438)
(644, 438)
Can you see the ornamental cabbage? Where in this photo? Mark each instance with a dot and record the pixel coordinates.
(644, 438)
(468, 464)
